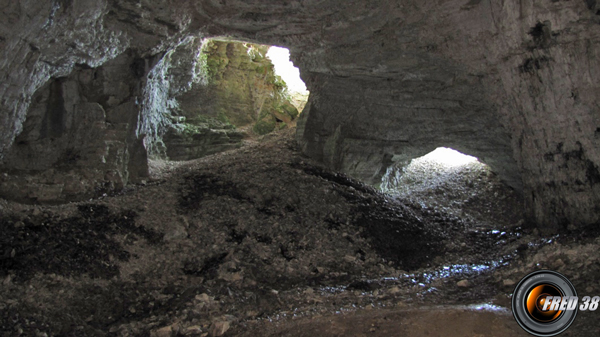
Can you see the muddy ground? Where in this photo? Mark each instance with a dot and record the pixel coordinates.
(262, 241)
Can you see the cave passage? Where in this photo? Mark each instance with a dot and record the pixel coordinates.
(162, 173)
(290, 75)
(430, 171)
(453, 184)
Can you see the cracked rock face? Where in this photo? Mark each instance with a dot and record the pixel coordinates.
(79, 137)
(511, 82)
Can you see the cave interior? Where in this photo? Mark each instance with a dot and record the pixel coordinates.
(158, 177)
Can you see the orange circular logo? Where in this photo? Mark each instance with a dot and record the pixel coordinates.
(542, 303)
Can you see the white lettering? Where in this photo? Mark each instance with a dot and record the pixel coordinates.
(586, 303)
(564, 302)
(573, 300)
(555, 303)
(547, 303)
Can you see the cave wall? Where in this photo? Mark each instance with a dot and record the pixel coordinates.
(365, 126)
(78, 139)
(171, 75)
(549, 98)
(509, 81)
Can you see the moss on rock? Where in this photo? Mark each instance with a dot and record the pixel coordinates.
(236, 86)
(265, 126)
(242, 88)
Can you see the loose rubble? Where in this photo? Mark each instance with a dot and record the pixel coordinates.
(257, 236)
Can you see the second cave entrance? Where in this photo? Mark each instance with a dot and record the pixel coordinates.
(451, 184)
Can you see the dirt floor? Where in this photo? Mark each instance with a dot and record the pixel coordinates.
(262, 241)
(455, 321)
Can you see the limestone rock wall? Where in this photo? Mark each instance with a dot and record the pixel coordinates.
(40, 40)
(78, 139)
(509, 81)
(190, 142)
(170, 76)
(549, 96)
(34, 39)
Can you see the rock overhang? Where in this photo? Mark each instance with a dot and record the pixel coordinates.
(515, 114)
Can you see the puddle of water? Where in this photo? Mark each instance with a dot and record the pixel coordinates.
(332, 290)
(463, 270)
(453, 321)
(488, 307)
(459, 269)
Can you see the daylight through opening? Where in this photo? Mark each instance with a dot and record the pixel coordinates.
(238, 91)
(290, 74)
(446, 157)
(286, 69)
(451, 184)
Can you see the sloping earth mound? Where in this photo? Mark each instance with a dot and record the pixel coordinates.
(230, 232)
(244, 237)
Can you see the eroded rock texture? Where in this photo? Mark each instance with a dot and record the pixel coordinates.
(79, 136)
(497, 85)
(512, 82)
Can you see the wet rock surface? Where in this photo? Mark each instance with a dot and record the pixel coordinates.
(257, 241)
(436, 321)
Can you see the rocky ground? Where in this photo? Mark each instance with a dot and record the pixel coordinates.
(264, 241)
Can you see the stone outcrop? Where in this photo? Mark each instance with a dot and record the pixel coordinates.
(188, 141)
(511, 82)
(79, 136)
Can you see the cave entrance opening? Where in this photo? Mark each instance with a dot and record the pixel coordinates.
(453, 185)
(290, 74)
(222, 92)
